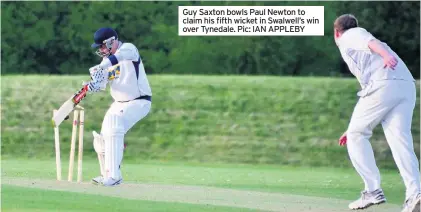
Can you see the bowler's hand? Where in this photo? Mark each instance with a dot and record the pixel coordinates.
(390, 61)
(67, 117)
(343, 140)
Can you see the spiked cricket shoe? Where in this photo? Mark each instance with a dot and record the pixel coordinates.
(412, 204)
(368, 199)
(97, 180)
(111, 181)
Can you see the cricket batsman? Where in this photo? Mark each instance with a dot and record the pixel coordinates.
(123, 70)
(387, 96)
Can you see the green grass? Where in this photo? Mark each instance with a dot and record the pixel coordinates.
(215, 119)
(309, 181)
(19, 199)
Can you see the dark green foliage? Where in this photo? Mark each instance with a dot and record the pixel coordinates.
(55, 37)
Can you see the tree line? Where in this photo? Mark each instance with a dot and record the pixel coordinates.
(54, 38)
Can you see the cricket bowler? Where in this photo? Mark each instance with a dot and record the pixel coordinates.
(387, 96)
(122, 69)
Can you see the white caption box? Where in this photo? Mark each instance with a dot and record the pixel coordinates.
(251, 20)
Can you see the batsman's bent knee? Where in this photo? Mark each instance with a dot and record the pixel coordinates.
(114, 125)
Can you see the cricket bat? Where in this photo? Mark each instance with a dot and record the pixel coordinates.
(68, 106)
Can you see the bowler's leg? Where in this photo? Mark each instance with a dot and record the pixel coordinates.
(366, 116)
(397, 129)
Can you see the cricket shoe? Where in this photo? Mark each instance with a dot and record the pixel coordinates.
(412, 204)
(97, 180)
(368, 199)
(111, 181)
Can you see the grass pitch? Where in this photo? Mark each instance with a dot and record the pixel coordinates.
(23, 199)
(162, 186)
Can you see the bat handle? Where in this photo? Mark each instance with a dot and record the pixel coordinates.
(80, 95)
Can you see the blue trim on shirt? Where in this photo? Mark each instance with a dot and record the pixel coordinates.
(136, 67)
(113, 59)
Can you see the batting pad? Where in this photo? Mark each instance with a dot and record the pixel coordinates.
(114, 145)
(98, 143)
(99, 147)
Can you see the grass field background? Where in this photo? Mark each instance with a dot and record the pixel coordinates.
(271, 137)
(216, 119)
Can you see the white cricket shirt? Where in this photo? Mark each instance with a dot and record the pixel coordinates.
(130, 81)
(366, 65)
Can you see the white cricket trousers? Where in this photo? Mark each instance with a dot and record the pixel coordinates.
(119, 119)
(131, 112)
(391, 103)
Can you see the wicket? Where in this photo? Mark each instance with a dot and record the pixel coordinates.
(78, 117)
